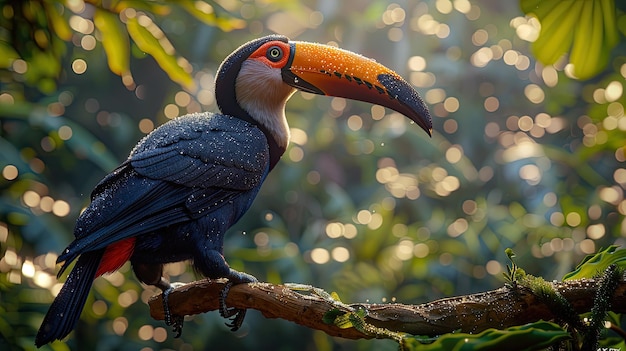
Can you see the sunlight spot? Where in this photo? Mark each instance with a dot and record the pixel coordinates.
(573, 219)
(120, 324)
(493, 267)
(443, 6)
(481, 57)
(612, 195)
(320, 255)
(417, 63)
(334, 230)
(528, 31)
(364, 217)
(434, 96)
(28, 269)
(492, 104)
(19, 66)
(550, 199)
(355, 122)
(454, 154)
(81, 24)
(10, 172)
(620, 176)
(613, 91)
(31, 198)
(376, 221)
(451, 104)
(596, 231)
(182, 99)
(525, 123)
(421, 250)
(298, 136)
(79, 66)
(145, 332)
(61, 208)
(569, 71)
(587, 246)
(349, 231)
(404, 250)
(443, 31)
(395, 34)
(43, 279)
(530, 173)
(422, 79)
(171, 111)
(463, 6)
(340, 254)
(458, 227)
(127, 298)
(450, 126)
(261, 239)
(534, 93)
(510, 57)
(88, 42)
(160, 334)
(550, 76)
(557, 219)
(99, 307)
(65, 132)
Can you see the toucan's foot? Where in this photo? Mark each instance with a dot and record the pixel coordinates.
(175, 321)
(236, 315)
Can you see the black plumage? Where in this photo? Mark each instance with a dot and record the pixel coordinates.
(179, 191)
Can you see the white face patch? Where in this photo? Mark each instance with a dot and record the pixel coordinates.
(261, 92)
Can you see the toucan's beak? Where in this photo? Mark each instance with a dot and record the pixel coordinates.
(327, 70)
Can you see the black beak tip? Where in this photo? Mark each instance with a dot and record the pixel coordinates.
(429, 131)
(417, 110)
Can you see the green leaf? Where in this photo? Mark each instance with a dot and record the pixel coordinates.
(343, 321)
(557, 31)
(205, 13)
(591, 50)
(596, 263)
(114, 40)
(57, 21)
(151, 39)
(586, 30)
(331, 316)
(153, 7)
(532, 336)
(7, 55)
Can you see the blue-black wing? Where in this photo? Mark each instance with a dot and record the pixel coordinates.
(180, 171)
(196, 151)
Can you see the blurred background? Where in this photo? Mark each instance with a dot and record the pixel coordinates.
(524, 154)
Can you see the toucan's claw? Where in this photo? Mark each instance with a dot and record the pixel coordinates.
(175, 321)
(236, 322)
(235, 315)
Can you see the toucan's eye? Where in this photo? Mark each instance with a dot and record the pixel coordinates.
(274, 53)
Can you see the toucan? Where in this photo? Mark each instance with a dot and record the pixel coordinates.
(188, 181)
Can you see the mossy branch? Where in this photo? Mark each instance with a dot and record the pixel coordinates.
(501, 308)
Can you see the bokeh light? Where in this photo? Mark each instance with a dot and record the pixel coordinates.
(522, 155)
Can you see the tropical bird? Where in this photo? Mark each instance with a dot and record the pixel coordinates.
(188, 181)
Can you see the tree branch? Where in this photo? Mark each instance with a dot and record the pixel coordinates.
(500, 308)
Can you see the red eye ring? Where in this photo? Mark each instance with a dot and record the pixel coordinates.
(274, 54)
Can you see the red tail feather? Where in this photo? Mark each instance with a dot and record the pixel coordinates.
(115, 255)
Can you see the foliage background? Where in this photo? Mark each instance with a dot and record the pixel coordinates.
(523, 155)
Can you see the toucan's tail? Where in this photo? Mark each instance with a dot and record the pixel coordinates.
(67, 306)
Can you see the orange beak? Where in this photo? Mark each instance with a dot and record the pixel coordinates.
(327, 70)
